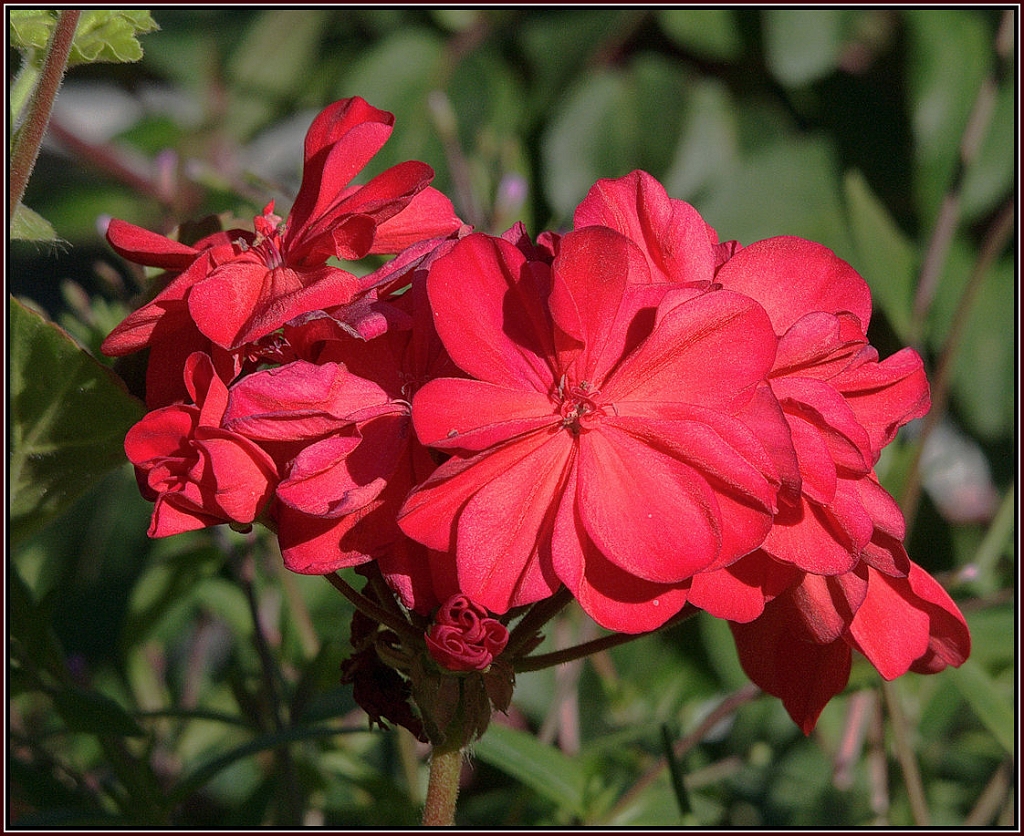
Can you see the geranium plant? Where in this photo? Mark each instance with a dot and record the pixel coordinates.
(631, 414)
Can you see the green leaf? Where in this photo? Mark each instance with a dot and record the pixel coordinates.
(272, 64)
(803, 45)
(949, 54)
(708, 142)
(102, 35)
(94, 713)
(709, 33)
(68, 418)
(988, 702)
(542, 768)
(27, 225)
(790, 187)
(612, 123)
(883, 255)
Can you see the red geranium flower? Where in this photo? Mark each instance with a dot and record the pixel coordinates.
(238, 287)
(834, 559)
(605, 437)
(197, 472)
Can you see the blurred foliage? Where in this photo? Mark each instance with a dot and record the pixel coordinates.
(193, 682)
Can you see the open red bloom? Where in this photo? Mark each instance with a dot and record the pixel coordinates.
(800, 648)
(197, 472)
(237, 292)
(608, 436)
(335, 438)
(832, 573)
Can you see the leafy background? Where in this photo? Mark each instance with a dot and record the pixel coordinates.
(192, 682)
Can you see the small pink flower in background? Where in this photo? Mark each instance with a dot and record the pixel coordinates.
(197, 472)
(463, 637)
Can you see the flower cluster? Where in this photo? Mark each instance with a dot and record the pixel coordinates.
(631, 410)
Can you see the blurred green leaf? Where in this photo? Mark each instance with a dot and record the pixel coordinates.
(101, 36)
(791, 187)
(612, 123)
(27, 225)
(949, 53)
(803, 45)
(708, 140)
(709, 33)
(883, 255)
(542, 768)
(397, 74)
(94, 713)
(272, 65)
(990, 176)
(69, 415)
(985, 366)
(988, 702)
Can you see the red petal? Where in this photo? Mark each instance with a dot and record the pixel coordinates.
(909, 624)
(431, 511)
(149, 248)
(162, 433)
(791, 277)
(341, 474)
(588, 280)
(504, 530)
(172, 515)
(615, 599)
(343, 138)
(677, 242)
(301, 401)
(650, 514)
(823, 407)
(888, 628)
(473, 415)
(885, 396)
(429, 215)
(239, 473)
(489, 312)
(313, 545)
(706, 351)
(803, 674)
(166, 314)
(807, 536)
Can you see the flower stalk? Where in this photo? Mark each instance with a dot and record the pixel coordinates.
(29, 138)
(442, 788)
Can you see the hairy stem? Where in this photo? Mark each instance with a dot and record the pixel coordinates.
(442, 788)
(30, 137)
(537, 616)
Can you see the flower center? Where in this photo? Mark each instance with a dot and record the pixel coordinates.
(578, 406)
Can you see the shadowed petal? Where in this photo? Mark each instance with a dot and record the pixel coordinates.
(489, 312)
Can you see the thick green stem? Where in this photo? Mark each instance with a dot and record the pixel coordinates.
(30, 136)
(442, 788)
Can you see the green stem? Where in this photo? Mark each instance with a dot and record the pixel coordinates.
(26, 146)
(998, 235)
(538, 615)
(442, 788)
(374, 610)
(570, 654)
(906, 756)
